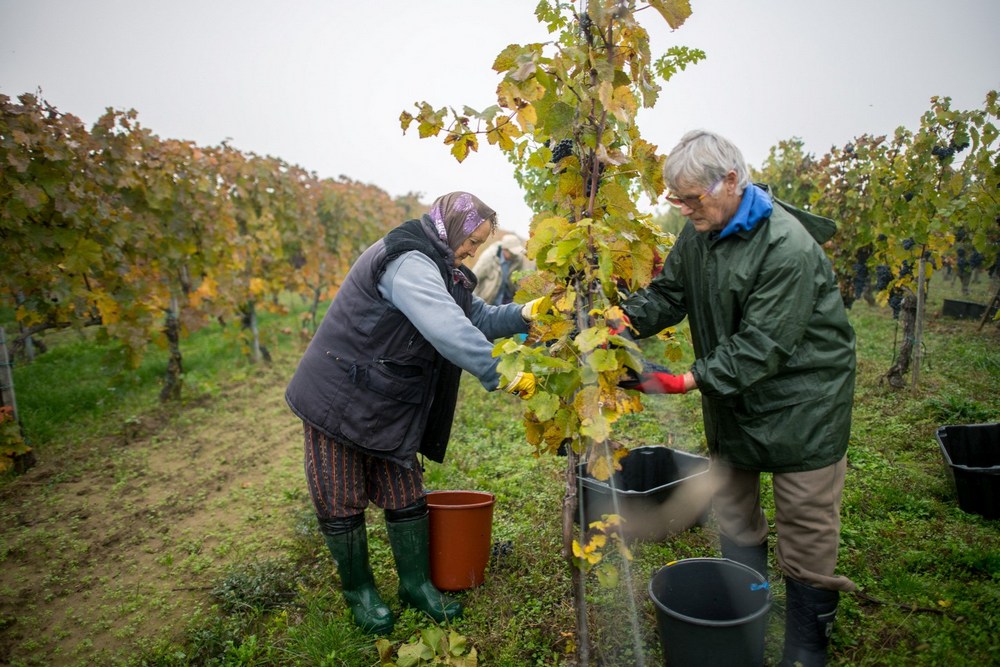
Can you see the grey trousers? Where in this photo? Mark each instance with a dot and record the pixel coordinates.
(806, 518)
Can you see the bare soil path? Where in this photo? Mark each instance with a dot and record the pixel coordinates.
(111, 545)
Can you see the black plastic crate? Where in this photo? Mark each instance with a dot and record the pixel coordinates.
(972, 457)
(650, 476)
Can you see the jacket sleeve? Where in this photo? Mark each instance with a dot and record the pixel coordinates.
(412, 283)
(774, 319)
(660, 305)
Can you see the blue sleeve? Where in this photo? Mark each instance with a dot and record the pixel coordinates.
(412, 283)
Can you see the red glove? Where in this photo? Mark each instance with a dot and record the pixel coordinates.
(656, 383)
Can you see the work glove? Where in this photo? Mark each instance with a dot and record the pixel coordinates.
(523, 385)
(621, 327)
(654, 379)
(531, 310)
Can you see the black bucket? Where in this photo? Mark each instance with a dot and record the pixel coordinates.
(710, 611)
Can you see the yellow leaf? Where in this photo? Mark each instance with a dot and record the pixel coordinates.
(405, 119)
(527, 117)
(257, 286)
(108, 308)
(675, 12)
(599, 469)
(207, 290)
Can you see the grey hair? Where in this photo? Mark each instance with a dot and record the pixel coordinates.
(703, 158)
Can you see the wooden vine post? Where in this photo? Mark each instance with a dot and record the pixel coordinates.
(7, 396)
(918, 333)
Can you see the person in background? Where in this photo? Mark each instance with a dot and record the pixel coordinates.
(775, 365)
(378, 385)
(495, 267)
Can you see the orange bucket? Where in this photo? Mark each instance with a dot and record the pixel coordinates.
(461, 529)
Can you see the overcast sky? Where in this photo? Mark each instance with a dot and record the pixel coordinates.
(321, 83)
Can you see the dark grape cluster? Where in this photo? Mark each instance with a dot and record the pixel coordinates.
(962, 264)
(975, 259)
(908, 244)
(860, 278)
(906, 269)
(942, 153)
(895, 302)
(563, 149)
(883, 276)
(600, 172)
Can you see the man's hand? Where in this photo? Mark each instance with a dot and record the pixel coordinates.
(656, 382)
(523, 385)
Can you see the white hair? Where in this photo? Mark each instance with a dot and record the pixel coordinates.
(703, 158)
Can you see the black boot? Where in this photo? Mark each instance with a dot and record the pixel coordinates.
(809, 617)
(754, 557)
(347, 540)
(409, 536)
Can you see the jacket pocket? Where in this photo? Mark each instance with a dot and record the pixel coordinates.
(784, 391)
(383, 406)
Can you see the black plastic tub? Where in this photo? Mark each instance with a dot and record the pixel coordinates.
(963, 310)
(650, 476)
(711, 612)
(972, 457)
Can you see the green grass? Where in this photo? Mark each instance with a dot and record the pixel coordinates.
(931, 573)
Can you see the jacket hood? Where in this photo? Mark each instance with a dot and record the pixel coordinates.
(820, 228)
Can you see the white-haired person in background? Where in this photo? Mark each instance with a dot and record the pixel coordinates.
(495, 266)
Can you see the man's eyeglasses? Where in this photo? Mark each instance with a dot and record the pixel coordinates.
(694, 201)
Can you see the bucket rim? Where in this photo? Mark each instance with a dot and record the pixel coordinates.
(487, 498)
(765, 608)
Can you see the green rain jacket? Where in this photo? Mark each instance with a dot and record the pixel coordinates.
(774, 350)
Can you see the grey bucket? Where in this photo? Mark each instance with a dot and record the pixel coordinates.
(710, 611)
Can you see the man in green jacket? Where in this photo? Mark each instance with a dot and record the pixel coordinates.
(775, 366)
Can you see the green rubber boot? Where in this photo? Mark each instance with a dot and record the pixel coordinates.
(410, 540)
(350, 549)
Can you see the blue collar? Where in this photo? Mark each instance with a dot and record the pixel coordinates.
(754, 207)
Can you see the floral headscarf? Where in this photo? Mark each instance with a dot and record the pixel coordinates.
(457, 214)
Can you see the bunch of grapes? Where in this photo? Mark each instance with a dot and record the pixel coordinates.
(860, 278)
(883, 276)
(906, 269)
(942, 153)
(963, 262)
(896, 302)
(908, 244)
(563, 149)
(975, 259)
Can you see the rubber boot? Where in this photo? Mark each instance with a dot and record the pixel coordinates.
(809, 620)
(409, 536)
(347, 540)
(754, 557)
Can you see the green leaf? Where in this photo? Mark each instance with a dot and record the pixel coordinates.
(602, 360)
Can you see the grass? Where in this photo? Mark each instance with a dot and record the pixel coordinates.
(107, 520)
